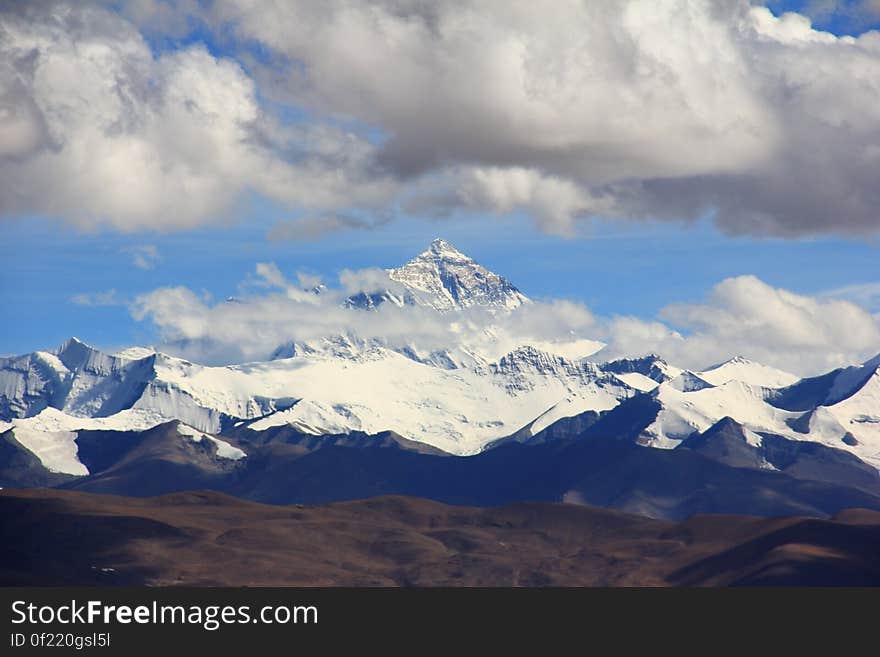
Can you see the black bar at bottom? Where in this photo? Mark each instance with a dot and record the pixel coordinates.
(226, 621)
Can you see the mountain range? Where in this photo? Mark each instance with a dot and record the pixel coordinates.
(342, 417)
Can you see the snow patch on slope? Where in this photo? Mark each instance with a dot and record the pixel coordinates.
(135, 353)
(851, 379)
(56, 450)
(51, 435)
(53, 419)
(224, 449)
(638, 381)
(858, 415)
(599, 400)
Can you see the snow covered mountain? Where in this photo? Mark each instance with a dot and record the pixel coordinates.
(839, 410)
(458, 410)
(47, 397)
(74, 377)
(460, 399)
(443, 278)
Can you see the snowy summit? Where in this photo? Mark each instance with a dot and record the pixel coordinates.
(444, 278)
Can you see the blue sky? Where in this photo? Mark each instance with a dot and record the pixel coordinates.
(299, 125)
(839, 17)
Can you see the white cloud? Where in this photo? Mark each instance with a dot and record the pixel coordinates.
(552, 202)
(103, 132)
(639, 108)
(369, 281)
(520, 80)
(745, 316)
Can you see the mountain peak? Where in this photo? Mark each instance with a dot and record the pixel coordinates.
(76, 355)
(740, 368)
(440, 249)
(71, 341)
(733, 360)
(440, 243)
(444, 278)
(73, 348)
(651, 366)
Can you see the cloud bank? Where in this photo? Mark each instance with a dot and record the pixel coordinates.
(741, 316)
(665, 109)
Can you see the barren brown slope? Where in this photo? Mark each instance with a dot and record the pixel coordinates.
(205, 538)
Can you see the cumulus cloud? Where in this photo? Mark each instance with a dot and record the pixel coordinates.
(552, 202)
(639, 108)
(746, 316)
(102, 131)
(667, 109)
